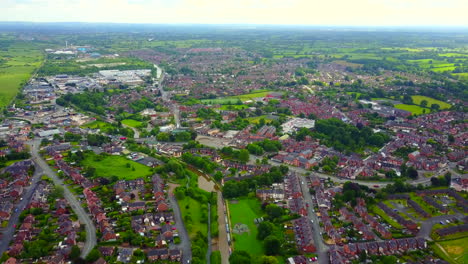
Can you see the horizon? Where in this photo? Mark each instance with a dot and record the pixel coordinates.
(333, 13)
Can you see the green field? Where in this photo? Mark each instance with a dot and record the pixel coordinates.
(418, 98)
(456, 250)
(18, 60)
(384, 216)
(414, 109)
(234, 99)
(108, 166)
(132, 123)
(244, 212)
(192, 215)
(97, 124)
(233, 107)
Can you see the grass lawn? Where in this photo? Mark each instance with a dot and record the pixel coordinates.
(244, 212)
(385, 217)
(418, 98)
(256, 119)
(192, 215)
(234, 99)
(132, 123)
(97, 124)
(414, 109)
(455, 250)
(109, 166)
(425, 206)
(233, 107)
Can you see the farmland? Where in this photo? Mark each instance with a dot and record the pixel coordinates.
(18, 60)
(244, 211)
(108, 166)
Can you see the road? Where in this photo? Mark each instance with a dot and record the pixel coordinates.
(422, 180)
(223, 244)
(83, 217)
(135, 131)
(426, 225)
(208, 252)
(166, 97)
(9, 231)
(185, 244)
(322, 248)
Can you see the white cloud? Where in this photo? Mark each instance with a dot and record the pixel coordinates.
(310, 12)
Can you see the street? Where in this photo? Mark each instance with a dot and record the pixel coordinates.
(185, 244)
(83, 217)
(9, 231)
(322, 248)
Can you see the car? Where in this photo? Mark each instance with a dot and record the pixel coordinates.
(376, 186)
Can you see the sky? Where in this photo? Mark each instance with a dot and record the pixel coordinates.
(287, 12)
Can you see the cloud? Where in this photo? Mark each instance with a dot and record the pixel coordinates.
(309, 12)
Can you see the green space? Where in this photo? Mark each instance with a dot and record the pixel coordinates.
(98, 125)
(18, 60)
(194, 216)
(233, 107)
(244, 211)
(453, 251)
(414, 109)
(132, 123)
(256, 119)
(109, 165)
(418, 98)
(234, 99)
(425, 206)
(385, 217)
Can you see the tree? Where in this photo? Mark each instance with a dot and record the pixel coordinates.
(265, 229)
(424, 103)
(240, 257)
(272, 245)
(75, 252)
(244, 155)
(451, 138)
(412, 173)
(274, 211)
(435, 107)
(93, 255)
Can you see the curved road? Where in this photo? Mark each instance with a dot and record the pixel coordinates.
(72, 200)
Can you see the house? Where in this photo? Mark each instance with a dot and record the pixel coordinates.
(162, 206)
(106, 251)
(175, 254)
(100, 261)
(11, 261)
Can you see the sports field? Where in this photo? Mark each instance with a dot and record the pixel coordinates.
(454, 251)
(242, 213)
